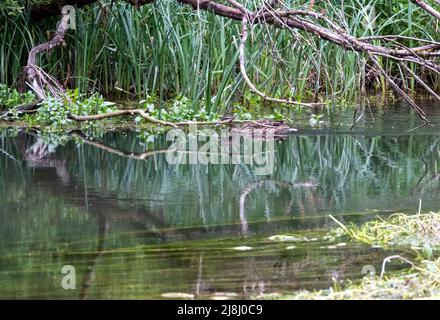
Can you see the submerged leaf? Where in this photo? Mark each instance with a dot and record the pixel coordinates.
(283, 238)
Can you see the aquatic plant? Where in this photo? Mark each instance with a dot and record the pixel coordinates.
(55, 112)
(179, 110)
(11, 98)
(423, 282)
(420, 232)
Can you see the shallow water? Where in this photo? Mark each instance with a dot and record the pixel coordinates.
(136, 228)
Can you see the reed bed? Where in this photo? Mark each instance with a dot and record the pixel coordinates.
(166, 50)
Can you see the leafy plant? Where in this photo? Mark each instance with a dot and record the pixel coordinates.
(11, 8)
(180, 110)
(10, 98)
(241, 113)
(315, 120)
(55, 112)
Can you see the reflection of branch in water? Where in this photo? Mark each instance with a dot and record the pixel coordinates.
(89, 276)
(259, 184)
(38, 156)
(10, 156)
(419, 188)
(127, 154)
(143, 155)
(39, 150)
(200, 276)
(431, 183)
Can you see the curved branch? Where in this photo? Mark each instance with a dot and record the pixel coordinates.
(36, 77)
(127, 154)
(428, 8)
(241, 50)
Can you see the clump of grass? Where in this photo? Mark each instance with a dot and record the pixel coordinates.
(419, 231)
(421, 283)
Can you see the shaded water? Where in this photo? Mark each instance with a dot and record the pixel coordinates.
(136, 228)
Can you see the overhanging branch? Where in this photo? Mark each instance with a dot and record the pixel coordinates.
(281, 16)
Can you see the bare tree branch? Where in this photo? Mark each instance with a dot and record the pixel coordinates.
(280, 15)
(428, 8)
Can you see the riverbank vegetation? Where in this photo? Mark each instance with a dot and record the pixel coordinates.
(421, 282)
(417, 234)
(325, 55)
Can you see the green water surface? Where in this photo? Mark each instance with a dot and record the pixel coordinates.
(146, 229)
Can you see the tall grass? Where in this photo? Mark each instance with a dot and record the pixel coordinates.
(166, 50)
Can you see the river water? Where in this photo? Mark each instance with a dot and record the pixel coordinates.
(133, 226)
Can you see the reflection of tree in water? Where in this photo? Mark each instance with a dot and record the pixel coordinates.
(39, 156)
(334, 162)
(282, 271)
(259, 184)
(107, 209)
(43, 157)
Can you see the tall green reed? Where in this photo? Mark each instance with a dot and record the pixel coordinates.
(165, 50)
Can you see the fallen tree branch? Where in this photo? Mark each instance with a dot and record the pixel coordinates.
(281, 16)
(53, 8)
(355, 44)
(144, 115)
(292, 21)
(427, 8)
(277, 18)
(37, 79)
(420, 81)
(399, 91)
(118, 113)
